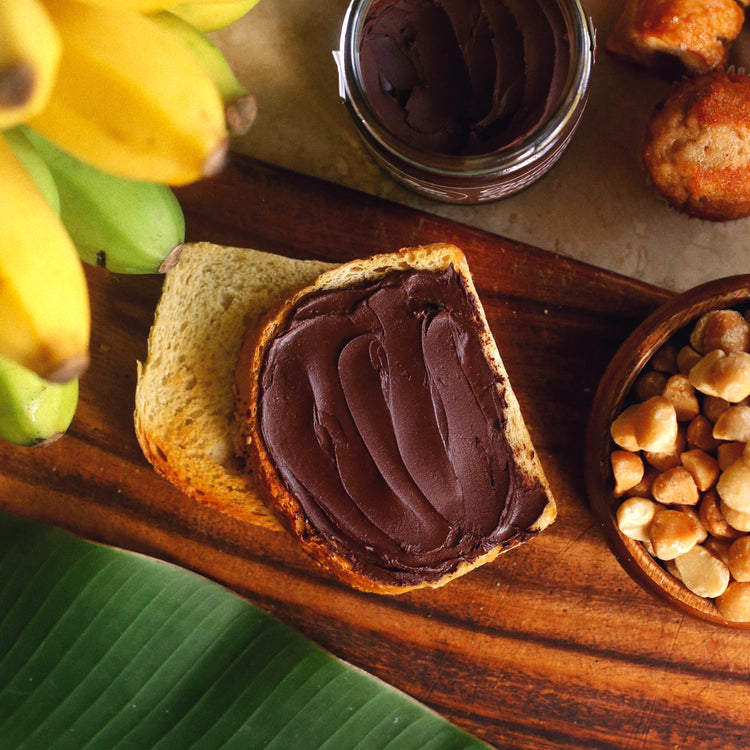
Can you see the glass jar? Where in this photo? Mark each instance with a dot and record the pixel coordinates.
(473, 177)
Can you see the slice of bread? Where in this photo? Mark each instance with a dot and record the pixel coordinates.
(329, 547)
(184, 404)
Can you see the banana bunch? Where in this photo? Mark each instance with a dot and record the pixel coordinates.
(105, 105)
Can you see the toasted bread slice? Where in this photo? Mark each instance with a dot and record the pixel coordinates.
(184, 404)
(377, 562)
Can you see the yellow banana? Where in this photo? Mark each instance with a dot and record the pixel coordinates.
(44, 303)
(130, 100)
(211, 16)
(240, 105)
(29, 56)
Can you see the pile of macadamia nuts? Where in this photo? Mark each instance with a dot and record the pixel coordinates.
(681, 465)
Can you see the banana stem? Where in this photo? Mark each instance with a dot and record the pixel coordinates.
(172, 259)
(16, 85)
(241, 114)
(71, 368)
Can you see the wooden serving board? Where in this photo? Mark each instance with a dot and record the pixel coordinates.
(552, 645)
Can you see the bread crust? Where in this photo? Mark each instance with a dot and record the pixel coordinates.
(282, 503)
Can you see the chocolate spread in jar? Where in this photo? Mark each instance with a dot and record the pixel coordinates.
(463, 76)
(382, 416)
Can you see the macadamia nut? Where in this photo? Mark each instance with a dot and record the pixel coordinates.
(737, 519)
(670, 458)
(700, 434)
(675, 487)
(726, 330)
(627, 469)
(734, 603)
(728, 453)
(681, 393)
(643, 488)
(713, 406)
(673, 533)
(718, 548)
(696, 334)
(734, 486)
(739, 559)
(655, 425)
(724, 375)
(634, 517)
(648, 384)
(703, 467)
(686, 358)
(665, 358)
(733, 424)
(704, 574)
(622, 429)
(713, 519)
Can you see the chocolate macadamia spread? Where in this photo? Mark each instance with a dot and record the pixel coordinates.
(463, 76)
(383, 418)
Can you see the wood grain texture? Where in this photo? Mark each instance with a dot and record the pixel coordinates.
(552, 645)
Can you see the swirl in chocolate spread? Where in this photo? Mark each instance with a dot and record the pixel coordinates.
(383, 418)
(463, 76)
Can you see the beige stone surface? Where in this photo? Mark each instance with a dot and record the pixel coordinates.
(595, 205)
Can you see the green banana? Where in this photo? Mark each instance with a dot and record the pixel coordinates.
(124, 225)
(34, 164)
(33, 411)
(240, 106)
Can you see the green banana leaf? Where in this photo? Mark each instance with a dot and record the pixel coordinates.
(101, 648)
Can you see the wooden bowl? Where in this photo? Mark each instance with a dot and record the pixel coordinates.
(611, 394)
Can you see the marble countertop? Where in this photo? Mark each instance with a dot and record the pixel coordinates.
(596, 204)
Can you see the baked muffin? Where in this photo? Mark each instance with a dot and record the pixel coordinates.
(677, 37)
(696, 149)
